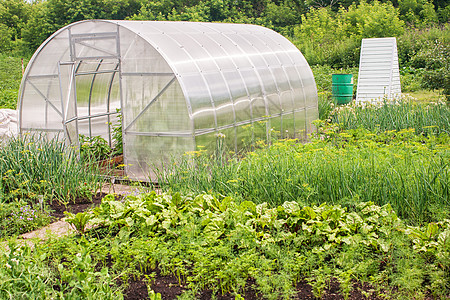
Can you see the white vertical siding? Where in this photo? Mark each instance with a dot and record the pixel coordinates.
(379, 76)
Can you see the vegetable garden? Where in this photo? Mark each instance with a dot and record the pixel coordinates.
(361, 211)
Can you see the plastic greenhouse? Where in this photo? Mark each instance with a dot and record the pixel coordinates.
(178, 84)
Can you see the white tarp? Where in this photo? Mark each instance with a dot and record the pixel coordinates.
(379, 76)
(8, 123)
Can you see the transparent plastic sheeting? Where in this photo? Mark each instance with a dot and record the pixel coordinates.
(177, 84)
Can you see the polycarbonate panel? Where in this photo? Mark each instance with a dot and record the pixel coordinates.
(150, 153)
(172, 80)
(275, 128)
(288, 126)
(160, 113)
(45, 62)
(300, 124)
(311, 115)
(244, 137)
(226, 140)
(42, 99)
(260, 131)
(309, 87)
(259, 108)
(206, 141)
(273, 102)
(243, 109)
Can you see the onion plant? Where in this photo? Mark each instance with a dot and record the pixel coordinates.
(429, 118)
(353, 166)
(35, 168)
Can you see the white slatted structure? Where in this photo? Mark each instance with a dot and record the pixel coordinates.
(379, 76)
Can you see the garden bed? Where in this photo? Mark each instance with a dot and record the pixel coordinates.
(57, 209)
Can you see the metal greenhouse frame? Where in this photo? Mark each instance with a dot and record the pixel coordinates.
(178, 84)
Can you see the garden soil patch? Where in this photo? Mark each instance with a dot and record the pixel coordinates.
(170, 289)
(79, 205)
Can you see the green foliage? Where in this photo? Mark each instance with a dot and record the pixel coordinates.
(25, 274)
(423, 58)
(418, 12)
(85, 282)
(220, 244)
(18, 217)
(46, 17)
(117, 135)
(399, 167)
(5, 38)
(372, 20)
(435, 62)
(14, 16)
(78, 221)
(334, 38)
(325, 105)
(154, 296)
(10, 77)
(94, 148)
(425, 119)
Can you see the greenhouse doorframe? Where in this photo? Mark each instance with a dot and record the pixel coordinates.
(103, 50)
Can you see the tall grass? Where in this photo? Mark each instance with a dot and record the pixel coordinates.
(429, 118)
(413, 177)
(34, 168)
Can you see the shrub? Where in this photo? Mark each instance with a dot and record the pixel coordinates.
(325, 37)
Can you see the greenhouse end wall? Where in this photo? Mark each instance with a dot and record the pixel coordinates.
(178, 85)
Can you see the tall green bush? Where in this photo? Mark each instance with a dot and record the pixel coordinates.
(327, 37)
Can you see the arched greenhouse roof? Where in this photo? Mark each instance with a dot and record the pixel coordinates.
(177, 84)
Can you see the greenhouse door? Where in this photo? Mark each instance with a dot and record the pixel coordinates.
(90, 85)
(68, 91)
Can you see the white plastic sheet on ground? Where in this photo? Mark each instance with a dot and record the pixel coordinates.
(8, 123)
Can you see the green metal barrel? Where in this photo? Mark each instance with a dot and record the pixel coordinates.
(342, 88)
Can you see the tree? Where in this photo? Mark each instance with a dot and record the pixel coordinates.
(417, 12)
(51, 15)
(14, 15)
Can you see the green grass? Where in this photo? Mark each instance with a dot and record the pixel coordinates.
(10, 77)
(426, 96)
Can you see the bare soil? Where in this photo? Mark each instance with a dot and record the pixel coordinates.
(79, 205)
(169, 288)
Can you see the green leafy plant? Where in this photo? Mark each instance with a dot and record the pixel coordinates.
(154, 296)
(117, 135)
(95, 147)
(78, 221)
